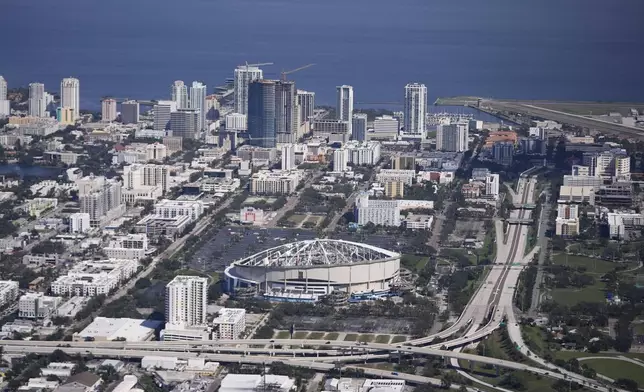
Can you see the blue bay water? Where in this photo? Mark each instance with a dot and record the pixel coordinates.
(557, 49)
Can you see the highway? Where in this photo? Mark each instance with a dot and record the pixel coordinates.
(482, 315)
(199, 349)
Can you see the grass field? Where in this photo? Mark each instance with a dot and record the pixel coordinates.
(413, 262)
(594, 267)
(351, 337)
(297, 219)
(331, 336)
(535, 339)
(384, 339)
(316, 336)
(283, 335)
(566, 355)
(572, 296)
(617, 369)
(300, 334)
(366, 338)
(399, 339)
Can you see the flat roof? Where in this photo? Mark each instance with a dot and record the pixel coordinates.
(132, 330)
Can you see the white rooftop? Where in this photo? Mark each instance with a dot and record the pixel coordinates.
(132, 330)
(250, 382)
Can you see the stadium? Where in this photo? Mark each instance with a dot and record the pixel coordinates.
(304, 270)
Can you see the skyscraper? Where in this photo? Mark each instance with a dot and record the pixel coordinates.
(70, 95)
(452, 137)
(162, 111)
(306, 101)
(180, 94)
(244, 75)
(415, 109)
(37, 102)
(359, 127)
(198, 101)
(186, 299)
(286, 119)
(288, 157)
(5, 105)
(130, 112)
(261, 113)
(108, 109)
(185, 123)
(3, 88)
(344, 109)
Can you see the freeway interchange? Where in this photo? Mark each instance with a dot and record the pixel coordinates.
(491, 304)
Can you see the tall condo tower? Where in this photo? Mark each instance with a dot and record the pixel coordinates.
(180, 94)
(5, 106)
(415, 109)
(306, 101)
(286, 118)
(186, 298)
(244, 75)
(3, 89)
(261, 113)
(198, 102)
(37, 101)
(70, 95)
(108, 109)
(344, 110)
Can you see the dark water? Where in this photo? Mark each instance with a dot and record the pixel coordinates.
(560, 49)
(20, 171)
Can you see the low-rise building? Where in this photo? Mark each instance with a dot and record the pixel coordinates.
(251, 215)
(94, 277)
(418, 222)
(110, 329)
(58, 369)
(388, 175)
(131, 246)
(274, 182)
(81, 382)
(378, 212)
(37, 305)
(256, 382)
(229, 324)
(8, 292)
(35, 207)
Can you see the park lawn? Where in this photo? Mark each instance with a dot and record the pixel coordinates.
(593, 266)
(316, 336)
(366, 338)
(571, 296)
(566, 355)
(535, 339)
(384, 339)
(351, 337)
(399, 339)
(300, 334)
(297, 218)
(331, 336)
(414, 263)
(283, 335)
(615, 369)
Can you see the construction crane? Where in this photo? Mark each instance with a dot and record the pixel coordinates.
(284, 73)
(254, 65)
